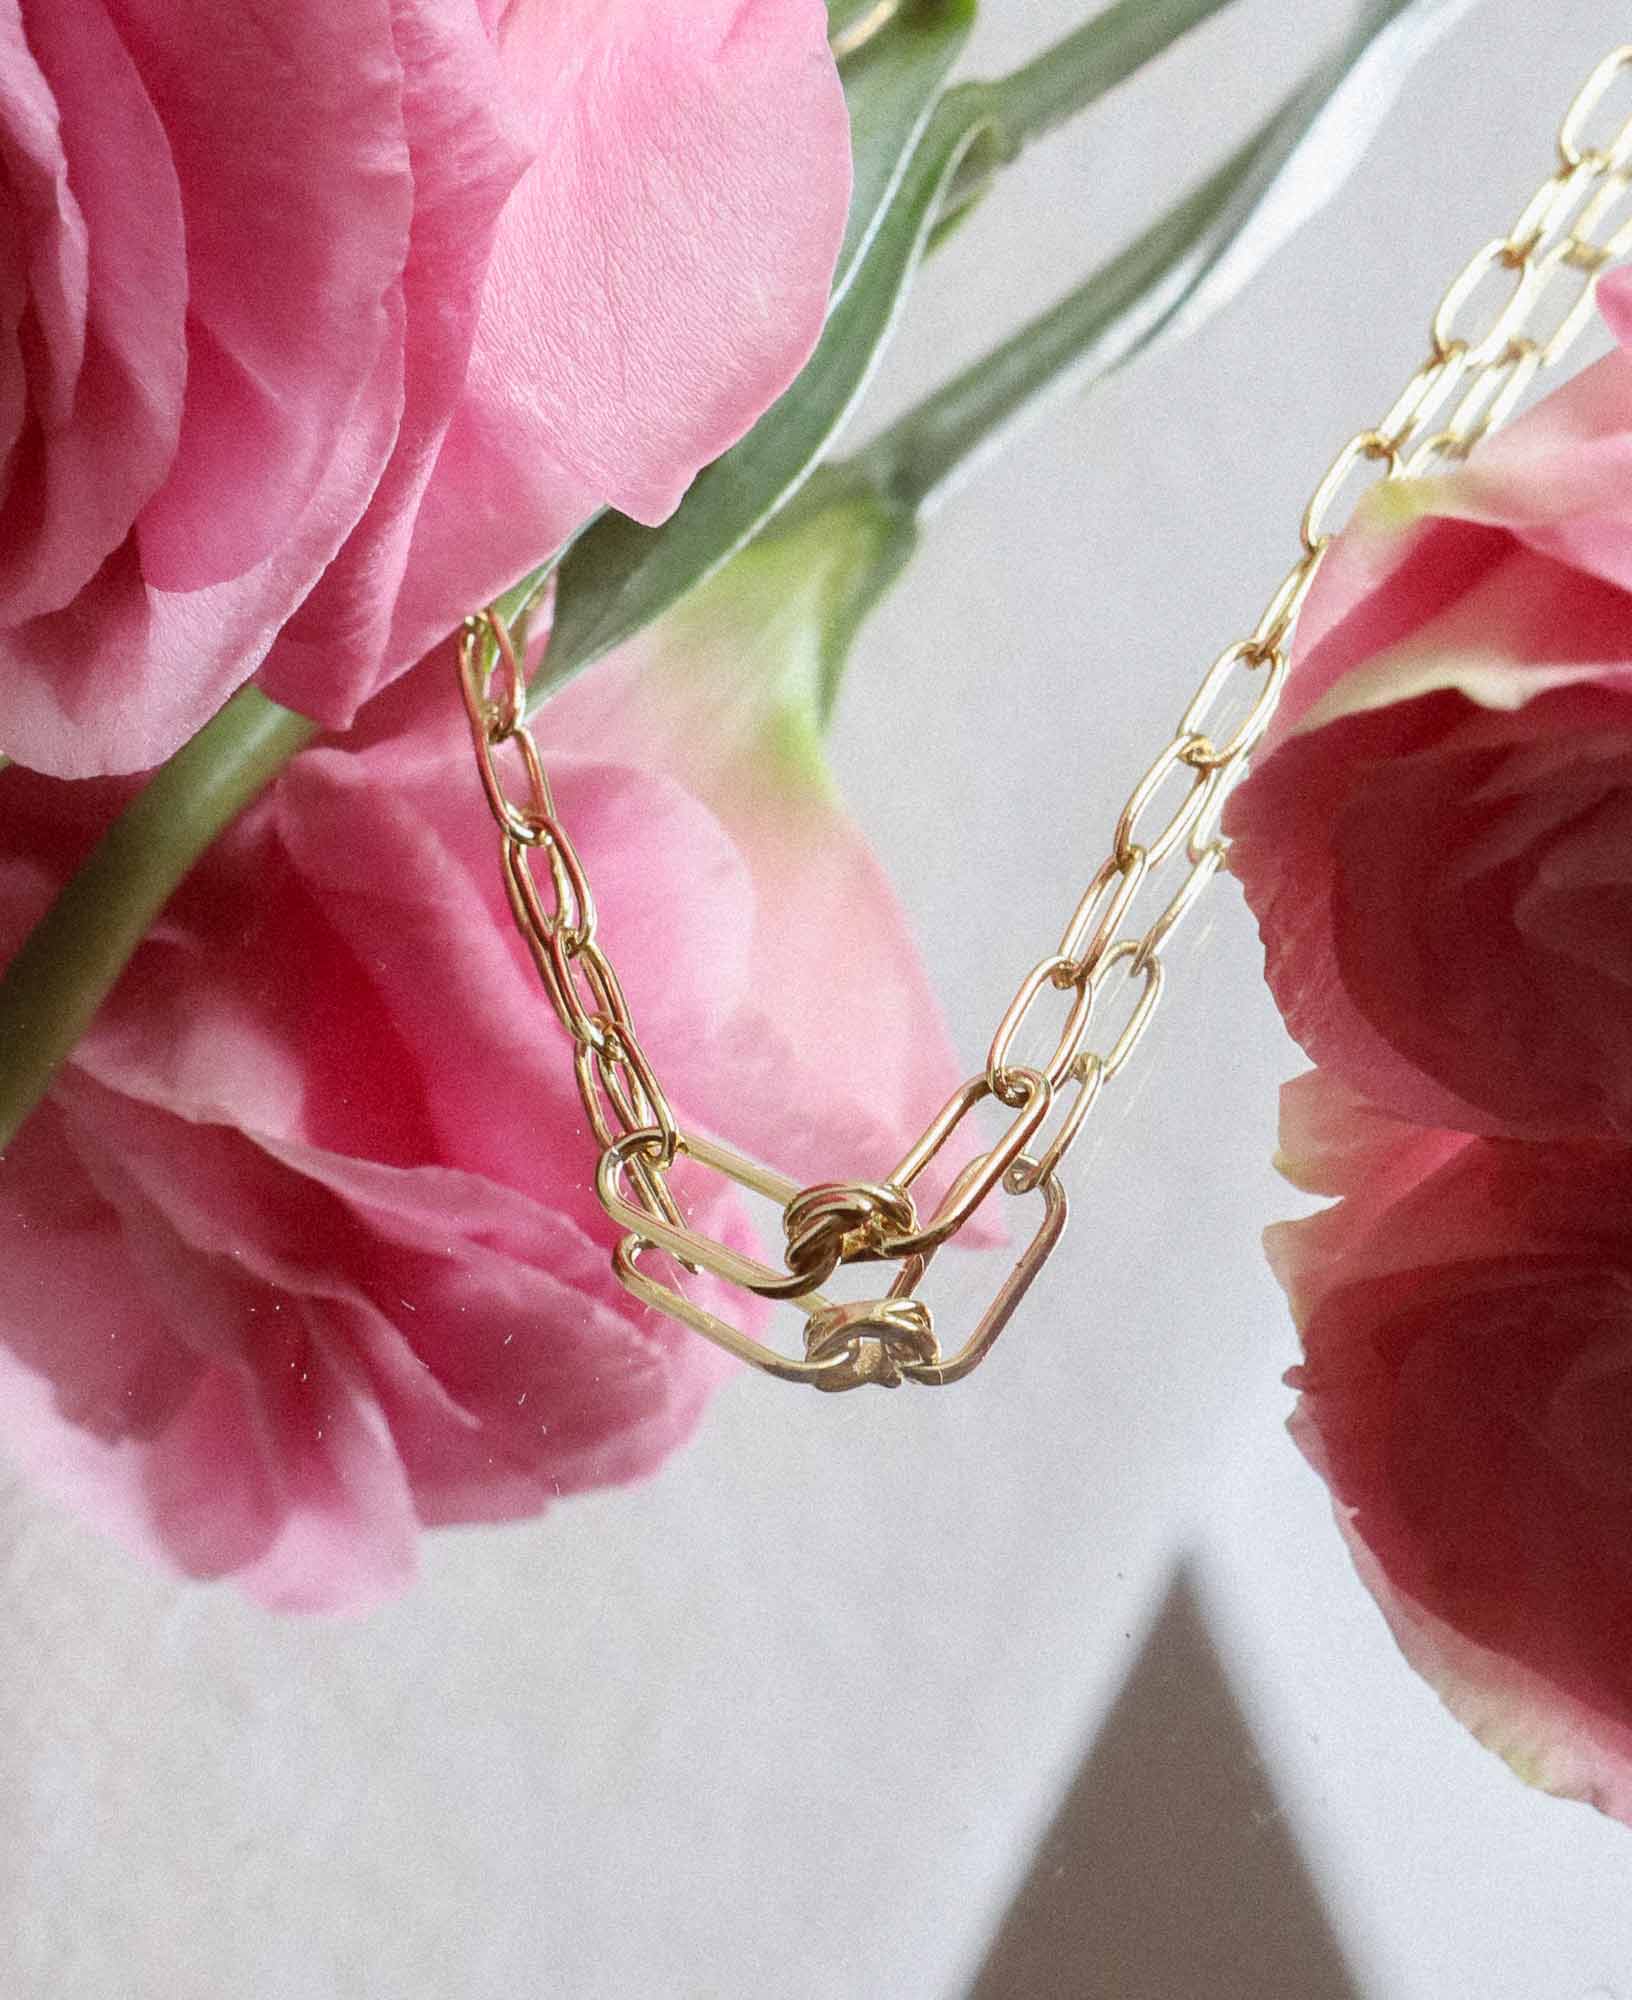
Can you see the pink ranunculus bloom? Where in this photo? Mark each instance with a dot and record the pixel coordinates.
(302, 1252)
(724, 695)
(322, 323)
(1437, 837)
(1466, 1393)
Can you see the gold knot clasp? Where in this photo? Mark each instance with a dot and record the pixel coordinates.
(874, 1340)
(844, 1222)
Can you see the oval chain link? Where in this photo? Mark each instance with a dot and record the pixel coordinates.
(1539, 283)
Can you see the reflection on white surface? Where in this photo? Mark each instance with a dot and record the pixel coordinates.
(1443, 1873)
(790, 1722)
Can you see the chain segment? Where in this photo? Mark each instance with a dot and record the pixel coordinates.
(1537, 284)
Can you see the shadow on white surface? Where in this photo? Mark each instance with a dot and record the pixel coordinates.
(1171, 1871)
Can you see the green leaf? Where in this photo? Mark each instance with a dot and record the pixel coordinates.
(1181, 271)
(851, 24)
(1309, 148)
(891, 86)
(619, 576)
(921, 161)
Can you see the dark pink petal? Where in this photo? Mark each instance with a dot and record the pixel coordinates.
(1280, 824)
(464, 159)
(1467, 1394)
(1410, 845)
(97, 215)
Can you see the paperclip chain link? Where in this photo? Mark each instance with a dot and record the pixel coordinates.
(1538, 284)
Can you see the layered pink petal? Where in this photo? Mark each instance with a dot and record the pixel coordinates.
(304, 136)
(1435, 837)
(1561, 477)
(466, 149)
(96, 406)
(1335, 1142)
(721, 696)
(326, 1176)
(192, 1407)
(289, 417)
(281, 1362)
(1467, 1394)
(315, 333)
(658, 277)
(1436, 881)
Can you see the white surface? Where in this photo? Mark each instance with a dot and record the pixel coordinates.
(789, 1721)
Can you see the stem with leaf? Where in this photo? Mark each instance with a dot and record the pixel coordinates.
(1088, 334)
(71, 959)
(618, 578)
(1065, 79)
(1188, 264)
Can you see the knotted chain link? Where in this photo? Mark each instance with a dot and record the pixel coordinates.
(1539, 280)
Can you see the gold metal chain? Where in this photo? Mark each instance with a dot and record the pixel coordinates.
(1540, 279)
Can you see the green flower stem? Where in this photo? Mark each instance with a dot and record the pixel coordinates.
(1096, 327)
(1091, 60)
(1065, 79)
(71, 960)
(1186, 265)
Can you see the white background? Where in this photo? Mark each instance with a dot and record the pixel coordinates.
(801, 1719)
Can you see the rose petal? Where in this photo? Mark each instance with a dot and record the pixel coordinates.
(93, 195)
(702, 157)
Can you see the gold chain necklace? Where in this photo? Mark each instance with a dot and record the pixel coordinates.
(1544, 273)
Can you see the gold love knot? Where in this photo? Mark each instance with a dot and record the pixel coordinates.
(871, 1341)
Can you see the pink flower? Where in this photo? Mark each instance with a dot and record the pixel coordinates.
(302, 1252)
(321, 323)
(1437, 838)
(725, 696)
(1466, 1392)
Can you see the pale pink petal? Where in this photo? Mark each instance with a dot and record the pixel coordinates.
(1390, 593)
(658, 277)
(1560, 477)
(1615, 303)
(1378, 584)
(720, 695)
(1334, 1141)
